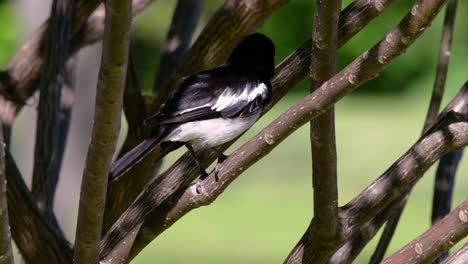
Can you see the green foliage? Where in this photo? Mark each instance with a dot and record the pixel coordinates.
(9, 33)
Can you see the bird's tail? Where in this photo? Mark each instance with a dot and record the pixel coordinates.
(125, 162)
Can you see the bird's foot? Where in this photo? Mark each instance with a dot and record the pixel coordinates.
(198, 183)
(221, 159)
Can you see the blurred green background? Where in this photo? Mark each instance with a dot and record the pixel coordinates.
(264, 213)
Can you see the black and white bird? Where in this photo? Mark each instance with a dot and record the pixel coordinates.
(212, 107)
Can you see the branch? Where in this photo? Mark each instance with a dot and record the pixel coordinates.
(164, 189)
(446, 171)
(433, 110)
(359, 239)
(442, 63)
(105, 130)
(459, 257)
(178, 38)
(448, 134)
(37, 240)
(6, 254)
(322, 128)
(46, 156)
(440, 237)
(19, 80)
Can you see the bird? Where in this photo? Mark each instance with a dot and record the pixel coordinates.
(211, 107)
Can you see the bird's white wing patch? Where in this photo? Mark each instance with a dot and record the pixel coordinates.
(194, 108)
(228, 98)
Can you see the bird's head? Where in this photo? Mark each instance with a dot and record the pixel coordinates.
(254, 55)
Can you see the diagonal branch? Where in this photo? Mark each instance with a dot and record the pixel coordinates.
(6, 254)
(440, 237)
(105, 130)
(459, 257)
(322, 128)
(46, 156)
(433, 110)
(37, 240)
(448, 134)
(184, 21)
(359, 239)
(288, 73)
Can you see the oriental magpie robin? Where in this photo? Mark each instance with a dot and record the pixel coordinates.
(212, 107)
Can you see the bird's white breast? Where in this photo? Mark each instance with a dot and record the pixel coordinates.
(212, 132)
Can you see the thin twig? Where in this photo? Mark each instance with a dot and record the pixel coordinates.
(184, 21)
(6, 254)
(448, 164)
(459, 257)
(433, 110)
(105, 130)
(322, 128)
(440, 237)
(287, 75)
(442, 63)
(46, 155)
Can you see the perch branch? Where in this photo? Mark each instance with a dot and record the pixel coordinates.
(322, 128)
(106, 126)
(288, 73)
(440, 237)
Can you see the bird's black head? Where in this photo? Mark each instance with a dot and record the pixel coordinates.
(254, 55)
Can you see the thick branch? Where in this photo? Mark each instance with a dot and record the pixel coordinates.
(459, 257)
(440, 237)
(46, 155)
(322, 128)
(184, 21)
(37, 240)
(106, 126)
(6, 254)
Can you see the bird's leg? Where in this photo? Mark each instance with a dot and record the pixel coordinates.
(203, 173)
(221, 158)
